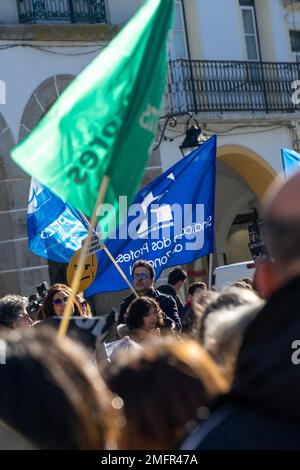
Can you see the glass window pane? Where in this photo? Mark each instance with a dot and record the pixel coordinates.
(251, 48)
(295, 41)
(247, 3)
(248, 22)
(179, 45)
(177, 21)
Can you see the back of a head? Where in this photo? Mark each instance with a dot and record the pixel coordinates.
(195, 286)
(242, 285)
(52, 394)
(282, 216)
(192, 320)
(176, 275)
(224, 331)
(228, 299)
(164, 387)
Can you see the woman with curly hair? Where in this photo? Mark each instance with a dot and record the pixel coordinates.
(143, 317)
(55, 303)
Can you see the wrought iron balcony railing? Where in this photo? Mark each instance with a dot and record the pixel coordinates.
(74, 11)
(291, 5)
(203, 86)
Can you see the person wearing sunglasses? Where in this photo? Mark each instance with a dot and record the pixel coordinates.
(55, 303)
(143, 276)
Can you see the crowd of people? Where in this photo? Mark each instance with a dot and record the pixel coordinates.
(213, 373)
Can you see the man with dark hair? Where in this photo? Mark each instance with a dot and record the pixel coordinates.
(196, 292)
(197, 288)
(143, 276)
(13, 312)
(176, 280)
(262, 410)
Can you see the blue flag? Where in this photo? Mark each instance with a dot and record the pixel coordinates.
(290, 161)
(55, 229)
(170, 223)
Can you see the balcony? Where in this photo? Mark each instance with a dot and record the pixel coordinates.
(68, 11)
(224, 86)
(291, 5)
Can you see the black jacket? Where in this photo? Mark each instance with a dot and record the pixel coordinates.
(167, 304)
(263, 408)
(169, 290)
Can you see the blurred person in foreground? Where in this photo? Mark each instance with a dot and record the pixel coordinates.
(224, 334)
(53, 395)
(262, 411)
(230, 298)
(166, 388)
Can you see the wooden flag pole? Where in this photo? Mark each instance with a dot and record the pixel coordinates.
(83, 253)
(119, 269)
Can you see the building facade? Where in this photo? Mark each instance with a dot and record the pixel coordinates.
(233, 63)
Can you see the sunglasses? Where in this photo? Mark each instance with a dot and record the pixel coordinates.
(64, 300)
(140, 276)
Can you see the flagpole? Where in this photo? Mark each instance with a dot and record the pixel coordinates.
(120, 270)
(113, 260)
(83, 253)
(210, 270)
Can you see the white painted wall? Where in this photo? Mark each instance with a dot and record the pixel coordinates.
(267, 144)
(232, 198)
(23, 69)
(265, 34)
(8, 12)
(232, 195)
(273, 30)
(215, 29)
(219, 34)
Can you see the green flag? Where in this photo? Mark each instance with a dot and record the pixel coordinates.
(106, 120)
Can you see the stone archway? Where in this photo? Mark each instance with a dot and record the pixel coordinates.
(41, 101)
(251, 176)
(252, 168)
(7, 142)
(21, 270)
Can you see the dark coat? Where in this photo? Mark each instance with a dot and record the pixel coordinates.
(262, 411)
(169, 290)
(167, 304)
